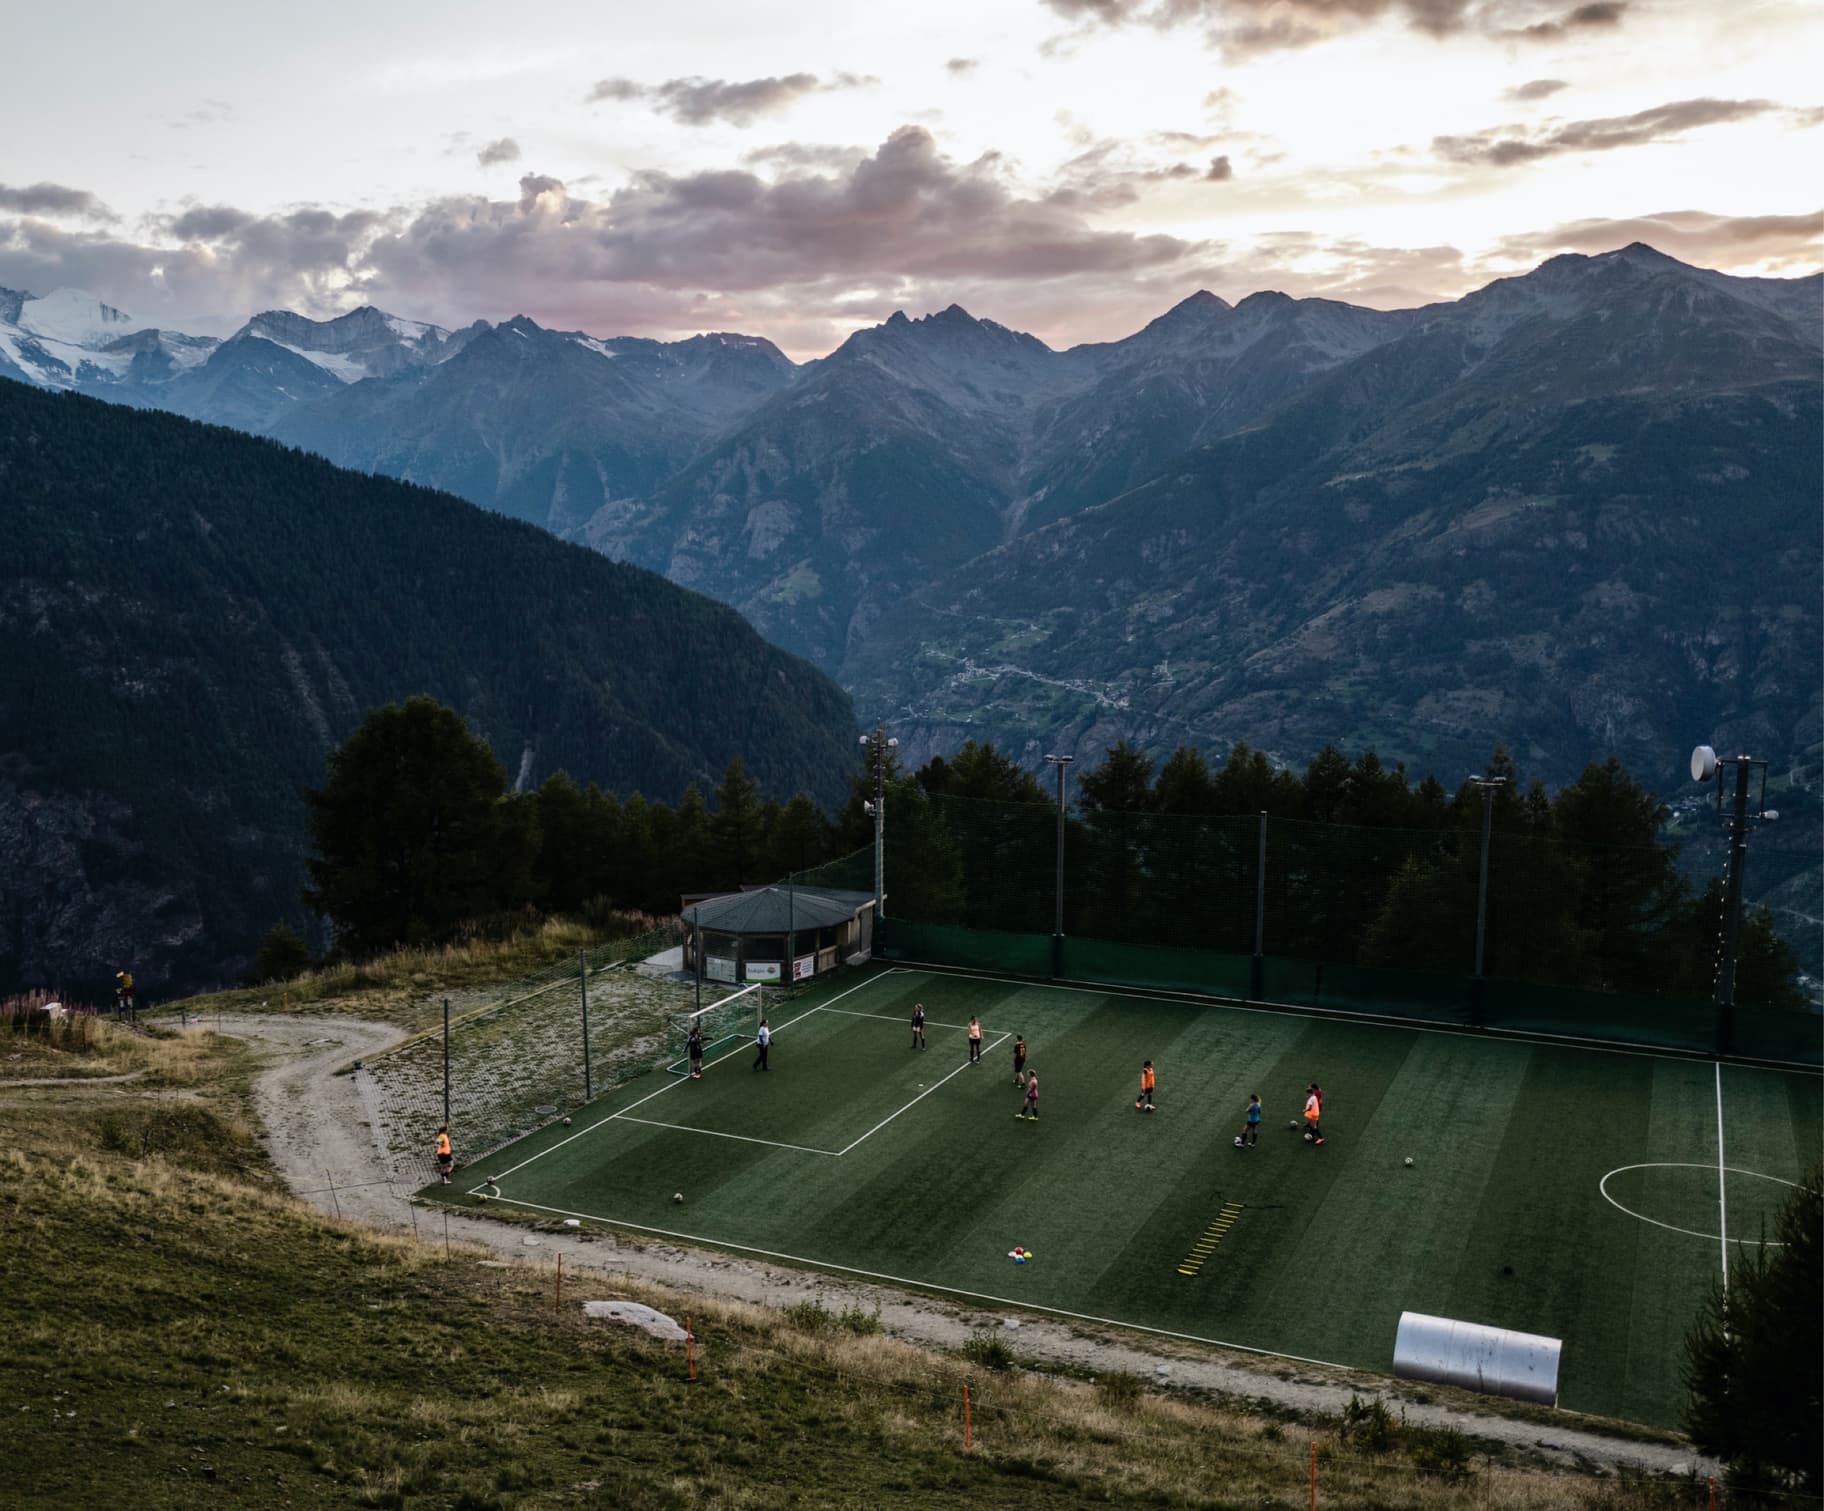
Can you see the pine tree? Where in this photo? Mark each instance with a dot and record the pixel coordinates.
(736, 832)
(413, 830)
(281, 955)
(1752, 1359)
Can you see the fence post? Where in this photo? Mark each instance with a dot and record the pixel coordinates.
(965, 1414)
(1257, 967)
(582, 963)
(557, 1295)
(690, 1349)
(1314, 1474)
(446, 1062)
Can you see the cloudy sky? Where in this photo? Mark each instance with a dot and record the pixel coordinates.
(1069, 167)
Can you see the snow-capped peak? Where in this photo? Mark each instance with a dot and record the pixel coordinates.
(76, 317)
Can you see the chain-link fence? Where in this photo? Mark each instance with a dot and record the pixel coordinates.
(1567, 937)
(544, 1046)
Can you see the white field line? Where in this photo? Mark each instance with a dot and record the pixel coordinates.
(921, 1096)
(1722, 1200)
(673, 1086)
(905, 1022)
(926, 1285)
(716, 1133)
(1343, 1015)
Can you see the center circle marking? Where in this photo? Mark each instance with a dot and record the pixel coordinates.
(1603, 1186)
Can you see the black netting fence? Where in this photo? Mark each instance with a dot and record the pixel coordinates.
(1573, 938)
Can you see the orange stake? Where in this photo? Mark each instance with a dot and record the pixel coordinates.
(1313, 1474)
(965, 1416)
(690, 1350)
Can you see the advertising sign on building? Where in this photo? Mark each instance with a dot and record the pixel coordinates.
(763, 970)
(804, 967)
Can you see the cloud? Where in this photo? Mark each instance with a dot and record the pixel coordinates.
(505, 150)
(1219, 170)
(1597, 16)
(54, 199)
(802, 249)
(963, 65)
(699, 102)
(1505, 146)
(1536, 89)
(1695, 236)
(209, 113)
(1242, 27)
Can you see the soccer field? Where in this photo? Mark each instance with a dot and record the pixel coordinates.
(1578, 1192)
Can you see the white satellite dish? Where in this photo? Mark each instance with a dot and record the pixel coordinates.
(1703, 764)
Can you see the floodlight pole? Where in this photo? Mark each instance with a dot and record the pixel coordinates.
(1705, 766)
(877, 745)
(582, 980)
(1257, 971)
(1489, 786)
(1062, 765)
(446, 1062)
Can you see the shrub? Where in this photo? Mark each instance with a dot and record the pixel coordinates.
(989, 1352)
(1441, 1452)
(1367, 1425)
(1120, 1389)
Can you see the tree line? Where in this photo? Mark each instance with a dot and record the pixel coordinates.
(416, 835)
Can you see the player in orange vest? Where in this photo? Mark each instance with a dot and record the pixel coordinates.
(1314, 1111)
(1145, 1100)
(446, 1160)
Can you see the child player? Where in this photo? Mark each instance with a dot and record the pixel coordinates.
(1031, 1110)
(695, 1044)
(1314, 1111)
(975, 1038)
(918, 1025)
(1144, 1102)
(1019, 1057)
(1250, 1129)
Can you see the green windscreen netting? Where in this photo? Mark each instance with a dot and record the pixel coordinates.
(1578, 939)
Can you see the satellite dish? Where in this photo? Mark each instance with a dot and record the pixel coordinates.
(1703, 764)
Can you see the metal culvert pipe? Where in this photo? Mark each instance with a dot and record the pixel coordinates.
(1494, 1360)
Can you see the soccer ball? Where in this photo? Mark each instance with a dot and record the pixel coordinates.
(1238, 1141)
(482, 1196)
(1409, 1159)
(1293, 1123)
(1307, 1138)
(566, 1122)
(678, 1197)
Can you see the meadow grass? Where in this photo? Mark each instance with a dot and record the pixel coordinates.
(182, 1333)
(402, 985)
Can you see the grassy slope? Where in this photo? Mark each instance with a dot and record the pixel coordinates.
(1501, 1219)
(181, 1334)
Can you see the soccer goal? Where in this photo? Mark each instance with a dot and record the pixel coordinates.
(727, 1022)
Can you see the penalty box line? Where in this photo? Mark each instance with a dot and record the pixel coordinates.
(623, 1113)
(920, 1097)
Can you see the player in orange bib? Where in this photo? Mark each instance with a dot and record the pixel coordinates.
(1144, 1102)
(445, 1158)
(1314, 1112)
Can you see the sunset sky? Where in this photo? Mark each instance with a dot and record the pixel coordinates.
(794, 170)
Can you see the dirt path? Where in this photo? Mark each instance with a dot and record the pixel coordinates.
(320, 1137)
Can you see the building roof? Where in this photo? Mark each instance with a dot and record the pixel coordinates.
(772, 910)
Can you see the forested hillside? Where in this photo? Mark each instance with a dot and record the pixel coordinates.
(191, 619)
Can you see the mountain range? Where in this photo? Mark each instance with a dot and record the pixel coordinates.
(192, 619)
(1577, 510)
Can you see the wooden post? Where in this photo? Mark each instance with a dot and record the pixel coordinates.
(1713, 1493)
(1314, 1474)
(965, 1414)
(690, 1351)
(557, 1296)
(329, 1175)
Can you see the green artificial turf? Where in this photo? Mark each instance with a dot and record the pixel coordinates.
(857, 1152)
